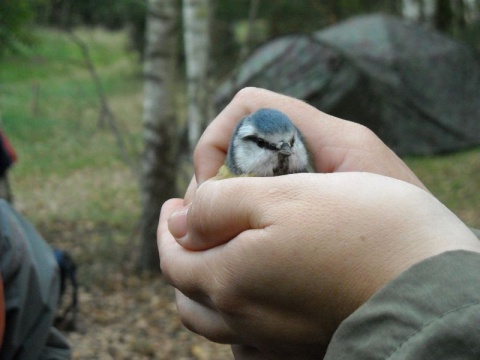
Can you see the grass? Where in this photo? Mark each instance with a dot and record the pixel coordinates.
(55, 53)
(70, 180)
(455, 180)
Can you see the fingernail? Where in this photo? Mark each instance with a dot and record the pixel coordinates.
(177, 222)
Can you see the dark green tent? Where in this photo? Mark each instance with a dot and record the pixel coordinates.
(417, 89)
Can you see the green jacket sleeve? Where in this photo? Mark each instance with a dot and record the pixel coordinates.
(431, 311)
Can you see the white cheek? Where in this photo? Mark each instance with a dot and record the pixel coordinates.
(250, 159)
(299, 160)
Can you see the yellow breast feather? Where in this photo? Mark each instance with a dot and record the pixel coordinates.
(225, 173)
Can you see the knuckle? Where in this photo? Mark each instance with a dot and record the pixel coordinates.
(226, 295)
(364, 132)
(246, 93)
(213, 332)
(227, 303)
(365, 136)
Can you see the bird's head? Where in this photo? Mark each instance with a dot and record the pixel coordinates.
(266, 143)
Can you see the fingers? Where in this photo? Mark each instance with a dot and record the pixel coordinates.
(170, 251)
(203, 320)
(192, 273)
(196, 310)
(321, 131)
(184, 269)
(211, 220)
(213, 145)
(207, 223)
(169, 207)
(330, 235)
(190, 193)
(335, 144)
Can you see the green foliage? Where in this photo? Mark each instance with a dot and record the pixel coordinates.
(286, 16)
(55, 53)
(112, 14)
(15, 19)
(69, 169)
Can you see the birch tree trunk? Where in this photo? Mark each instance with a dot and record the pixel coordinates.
(196, 30)
(443, 15)
(252, 15)
(460, 10)
(158, 182)
(422, 11)
(411, 9)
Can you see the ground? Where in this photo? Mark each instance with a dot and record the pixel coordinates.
(139, 321)
(123, 315)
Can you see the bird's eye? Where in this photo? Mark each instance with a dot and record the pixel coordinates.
(292, 141)
(261, 143)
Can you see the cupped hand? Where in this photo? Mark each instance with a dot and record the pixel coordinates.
(336, 145)
(296, 254)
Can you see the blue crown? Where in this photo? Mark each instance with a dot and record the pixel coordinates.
(270, 121)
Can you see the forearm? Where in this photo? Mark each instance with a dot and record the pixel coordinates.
(432, 310)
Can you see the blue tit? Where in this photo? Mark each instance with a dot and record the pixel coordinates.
(265, 143)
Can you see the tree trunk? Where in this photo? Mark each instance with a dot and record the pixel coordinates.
(252, 16)
(460, 14)
(412, 9)
(443, 15)
(158, 182)
(422, 11)
(196, 23)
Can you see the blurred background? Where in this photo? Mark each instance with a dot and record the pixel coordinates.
(102, 103)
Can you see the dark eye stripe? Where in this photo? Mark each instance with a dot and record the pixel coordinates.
(261, 143)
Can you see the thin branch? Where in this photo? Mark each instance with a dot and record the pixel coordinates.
(252, 15)
(106, 115)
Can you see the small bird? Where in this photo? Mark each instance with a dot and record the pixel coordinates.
(265, 143)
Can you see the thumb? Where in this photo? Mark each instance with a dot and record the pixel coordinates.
(220, 211)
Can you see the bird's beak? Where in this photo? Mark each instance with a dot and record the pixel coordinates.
(285, 150)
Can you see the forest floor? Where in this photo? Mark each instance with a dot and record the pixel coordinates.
(123, 315)
(71, 182)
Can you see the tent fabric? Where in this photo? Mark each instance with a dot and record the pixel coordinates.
(417, 89)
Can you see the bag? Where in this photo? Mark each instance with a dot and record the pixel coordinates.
(31, 283)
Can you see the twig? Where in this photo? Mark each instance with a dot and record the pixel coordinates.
(35, 99)
(252, 15)
(106, 115)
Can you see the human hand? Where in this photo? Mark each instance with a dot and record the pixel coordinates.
(336, 145)
(239, 291)
(292, 256)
